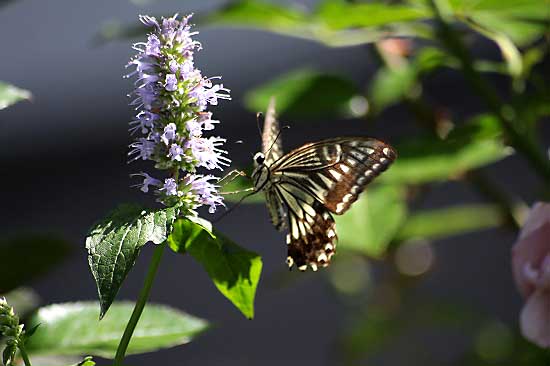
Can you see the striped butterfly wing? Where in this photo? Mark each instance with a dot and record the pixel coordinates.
(321, 178)
(271, 148)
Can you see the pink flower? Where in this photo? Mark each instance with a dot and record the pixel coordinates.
(531, 268)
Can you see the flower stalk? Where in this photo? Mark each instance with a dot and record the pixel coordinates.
(140, 305)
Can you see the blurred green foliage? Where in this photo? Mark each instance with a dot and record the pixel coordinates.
(10, 94)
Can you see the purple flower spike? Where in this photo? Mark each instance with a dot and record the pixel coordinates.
(172, 97)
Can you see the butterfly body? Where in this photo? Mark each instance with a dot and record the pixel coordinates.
(306, 186)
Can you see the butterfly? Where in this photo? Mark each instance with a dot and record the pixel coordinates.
(306, 186)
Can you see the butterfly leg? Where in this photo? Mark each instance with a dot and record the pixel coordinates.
(239, 191)
(233, 174)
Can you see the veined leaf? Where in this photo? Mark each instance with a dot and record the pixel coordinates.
(309, 93)
(10, 94)
(73, 329)
(114, 244)
(372, 222)
(235, 271)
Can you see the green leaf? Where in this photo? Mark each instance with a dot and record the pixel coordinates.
(449, 221)
(309, 93)
(391, 85)
(29, 256)
(114, 244)
(235, 271)
(523, 21)
(373, 221)
(427, 159)
(87, 361)
(10, 94)
(317, 26)
(73, 329)
(342, 14)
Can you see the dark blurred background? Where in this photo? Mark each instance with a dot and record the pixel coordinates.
(64, 165)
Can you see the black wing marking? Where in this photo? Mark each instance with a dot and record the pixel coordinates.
(312, 233)
(277, 212)
(335, 171)
(270, 131)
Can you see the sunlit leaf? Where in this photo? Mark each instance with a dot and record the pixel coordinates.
(372, 222)
(425, 159)
(10, 94)
(235, 271)
(309, 93)
(522, 20)
(29, 256)
(114, 244)
(344, 14)
(449, 221)
(74, 329)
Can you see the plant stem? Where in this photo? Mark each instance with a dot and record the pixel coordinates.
(519, 140)
(24, 354)
(140, 304)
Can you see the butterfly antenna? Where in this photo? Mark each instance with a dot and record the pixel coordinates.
(234, 206)
(276, 138)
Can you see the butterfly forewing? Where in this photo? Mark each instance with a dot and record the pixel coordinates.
(272, 146)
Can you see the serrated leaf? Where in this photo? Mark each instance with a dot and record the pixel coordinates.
(372, 222)
(449, 221)
(73, 329)
(309, 93)
(40, 253)
(10, 94)
(114, 244)
(235, 271)
(427, 159)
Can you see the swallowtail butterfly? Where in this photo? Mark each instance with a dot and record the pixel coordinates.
(306, 186)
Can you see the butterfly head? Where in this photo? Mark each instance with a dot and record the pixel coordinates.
(259, 159)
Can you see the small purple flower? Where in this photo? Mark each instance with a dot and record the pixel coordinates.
(149, 21)
(143, 148)
(173, 66)
(152, 47)
(171, 83)
(194, 127)
(170, 187)
(206, 151)
(207, 121)
(207, 192)
(147, 96)
(147, 181)
(175, 152)
(169, 133)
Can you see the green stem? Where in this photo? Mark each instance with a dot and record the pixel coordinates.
(140, 304)
(24, 354)
(519, 140)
